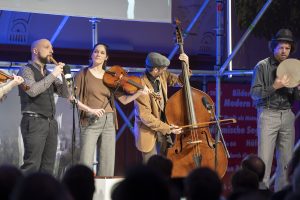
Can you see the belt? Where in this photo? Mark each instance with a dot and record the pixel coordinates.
(37, 115)
(276, 109)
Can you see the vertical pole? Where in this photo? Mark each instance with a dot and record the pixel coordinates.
(219, 37)
(94, 22)
(229, 33)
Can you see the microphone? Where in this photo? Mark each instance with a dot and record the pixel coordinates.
(206, 103)
(68, 75)
(67, 72)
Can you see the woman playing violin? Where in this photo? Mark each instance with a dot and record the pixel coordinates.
(98, 113)
(17, 80)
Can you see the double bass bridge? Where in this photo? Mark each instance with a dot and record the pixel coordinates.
(195, 142)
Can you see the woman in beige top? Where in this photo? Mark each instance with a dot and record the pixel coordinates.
(98, 113)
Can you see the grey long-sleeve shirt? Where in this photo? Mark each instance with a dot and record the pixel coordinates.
(262, 91)
(37, 88)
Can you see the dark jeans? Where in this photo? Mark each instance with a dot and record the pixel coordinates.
(40, 144)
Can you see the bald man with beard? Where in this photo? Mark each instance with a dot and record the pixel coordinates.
(38, 126)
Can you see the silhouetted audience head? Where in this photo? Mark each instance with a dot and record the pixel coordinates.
(161, 164)
(203, 183)
(79, 180)
(142, 182)
(40, 186)
(9, 177)
(255, 164)
(244, 179)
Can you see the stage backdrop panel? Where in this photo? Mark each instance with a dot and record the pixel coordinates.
(140, 10)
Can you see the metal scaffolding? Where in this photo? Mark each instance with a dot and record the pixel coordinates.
(219, 68)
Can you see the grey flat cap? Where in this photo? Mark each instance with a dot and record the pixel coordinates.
(157, 60)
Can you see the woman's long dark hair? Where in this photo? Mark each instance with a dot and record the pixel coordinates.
(106, 49)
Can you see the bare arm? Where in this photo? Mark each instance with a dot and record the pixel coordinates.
(9, 86)
(6, 88)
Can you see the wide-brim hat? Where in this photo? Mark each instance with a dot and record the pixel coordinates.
(284, 35)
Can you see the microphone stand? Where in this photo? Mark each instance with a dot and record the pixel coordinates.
(74, 105)
(70, 82)
(218, 134)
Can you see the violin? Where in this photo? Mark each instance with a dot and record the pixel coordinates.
(4, 77)
(116, 77)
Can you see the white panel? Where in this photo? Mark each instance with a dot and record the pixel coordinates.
(104, 187)
(139, 10)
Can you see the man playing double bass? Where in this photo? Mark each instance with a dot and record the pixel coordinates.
(152, 133)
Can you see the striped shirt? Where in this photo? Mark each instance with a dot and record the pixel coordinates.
(39, 87)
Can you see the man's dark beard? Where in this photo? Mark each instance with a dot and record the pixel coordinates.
(44, 60)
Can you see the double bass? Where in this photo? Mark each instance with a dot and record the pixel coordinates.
(195, 147)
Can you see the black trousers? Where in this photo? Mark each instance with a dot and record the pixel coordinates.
(40, 143)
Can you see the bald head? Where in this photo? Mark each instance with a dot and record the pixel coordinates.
(255, 164)
(41, 50)
(38, 43)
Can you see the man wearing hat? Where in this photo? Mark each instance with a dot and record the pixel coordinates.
(273, 99)
(150, 129)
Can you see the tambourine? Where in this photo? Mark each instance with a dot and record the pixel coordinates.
(291, 68)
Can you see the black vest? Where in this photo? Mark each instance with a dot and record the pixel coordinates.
(43, 103)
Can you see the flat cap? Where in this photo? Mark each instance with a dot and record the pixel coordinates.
(157, 60)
